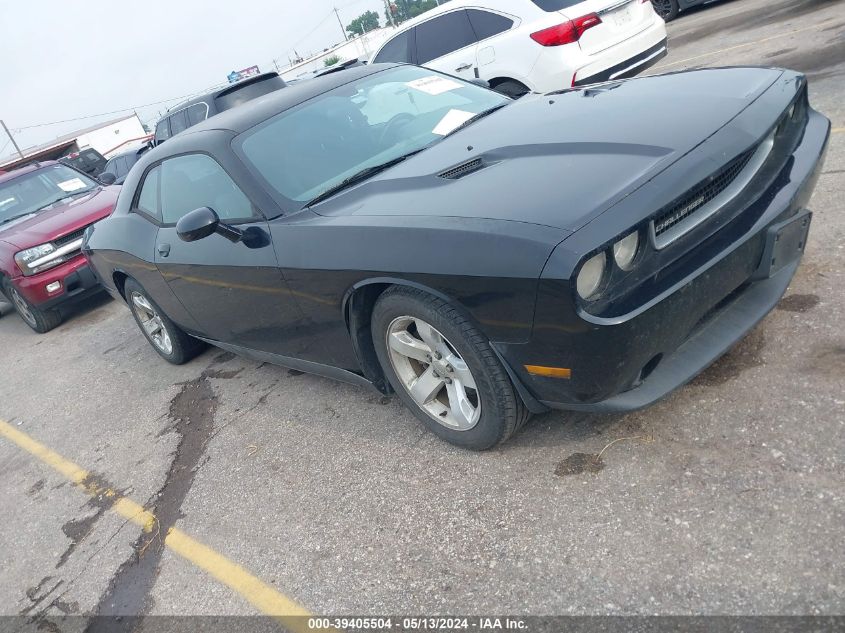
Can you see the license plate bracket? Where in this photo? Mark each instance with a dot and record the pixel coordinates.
(785, 243)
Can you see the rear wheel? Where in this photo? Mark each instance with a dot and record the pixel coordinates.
(39, 320)
(512, 88)
(171, 343)
(666, 9)
(444, 370)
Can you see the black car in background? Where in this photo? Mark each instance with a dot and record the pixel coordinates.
(483, 258)
(199, 109)
(669, 9)
(88, 161)
(119, 165)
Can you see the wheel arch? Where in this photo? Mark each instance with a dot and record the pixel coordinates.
(495, 82)
(119, 278)
(357, 307)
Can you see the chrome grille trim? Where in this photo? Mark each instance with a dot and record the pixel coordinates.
(705, 200)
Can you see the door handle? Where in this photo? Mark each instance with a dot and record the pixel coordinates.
(463, 67)
(163, 249)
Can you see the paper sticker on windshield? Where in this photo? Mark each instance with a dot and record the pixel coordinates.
(434, 85)
(453, 119)
(74, 184)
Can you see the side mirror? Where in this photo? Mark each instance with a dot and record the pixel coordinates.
(480, 82)
(107, 178)
(202, 222)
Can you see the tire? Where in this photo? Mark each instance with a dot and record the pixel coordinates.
(465, 355)
(511, 88)
(41, 321)
(666, 9)
(165, 337)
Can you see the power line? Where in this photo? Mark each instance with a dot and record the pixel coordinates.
(94, 116)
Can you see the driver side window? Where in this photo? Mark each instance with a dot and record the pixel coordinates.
(196, 180)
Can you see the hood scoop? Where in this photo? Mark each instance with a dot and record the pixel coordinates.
(464, 169)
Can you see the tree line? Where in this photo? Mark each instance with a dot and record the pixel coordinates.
(400, 10)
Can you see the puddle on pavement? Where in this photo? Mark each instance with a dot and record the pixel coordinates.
(798, 303)
(192, 413)
(579, 463)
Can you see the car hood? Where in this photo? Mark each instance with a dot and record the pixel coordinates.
(560, 160)
(64, 218)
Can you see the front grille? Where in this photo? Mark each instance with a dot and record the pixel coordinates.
(701, 194)
(70, 237)
(462, 170)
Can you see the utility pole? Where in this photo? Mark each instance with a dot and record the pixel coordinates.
(389, 13)
(12, 138)
(341, 25)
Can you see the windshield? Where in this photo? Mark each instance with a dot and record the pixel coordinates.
(40, 189)
(305, 151)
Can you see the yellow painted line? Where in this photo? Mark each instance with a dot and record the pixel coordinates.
(258, 593)
(740, 46)
(838, 130)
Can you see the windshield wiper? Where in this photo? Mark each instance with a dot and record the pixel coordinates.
(16, 217)
(64, 197)
(361, 176)
(477, 117)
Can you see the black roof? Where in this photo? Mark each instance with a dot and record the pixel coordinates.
(254, 112)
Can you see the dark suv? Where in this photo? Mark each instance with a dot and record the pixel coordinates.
(87, 160)
(118, 166)
(199, 109)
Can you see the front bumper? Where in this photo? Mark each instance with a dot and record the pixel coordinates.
(625, 364)
(76, 279)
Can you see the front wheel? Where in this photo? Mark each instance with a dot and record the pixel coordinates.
(171, 343)
(666, 9)
(41, 321)
(444, 370)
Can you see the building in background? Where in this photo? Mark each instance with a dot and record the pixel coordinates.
(108, 138)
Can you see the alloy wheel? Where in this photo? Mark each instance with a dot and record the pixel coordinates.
(433, 373)
(151, 323)
(23, 309)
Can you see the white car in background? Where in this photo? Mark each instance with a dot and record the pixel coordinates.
(521, 46)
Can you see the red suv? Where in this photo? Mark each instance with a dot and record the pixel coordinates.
(44, 211)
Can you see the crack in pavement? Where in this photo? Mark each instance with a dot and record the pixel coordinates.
(192, 412)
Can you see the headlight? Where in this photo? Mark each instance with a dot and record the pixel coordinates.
(591, 275)
(26, 259)
(625, 251)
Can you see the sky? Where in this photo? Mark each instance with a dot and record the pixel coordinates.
(65, 59)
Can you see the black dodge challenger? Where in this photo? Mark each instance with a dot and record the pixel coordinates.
(483, 258)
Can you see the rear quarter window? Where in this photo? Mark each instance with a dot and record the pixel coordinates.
(486, 24)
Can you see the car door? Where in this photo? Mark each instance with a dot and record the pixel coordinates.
(447, 43)
(234, 291)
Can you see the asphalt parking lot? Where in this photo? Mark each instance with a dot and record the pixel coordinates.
(727, 498)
